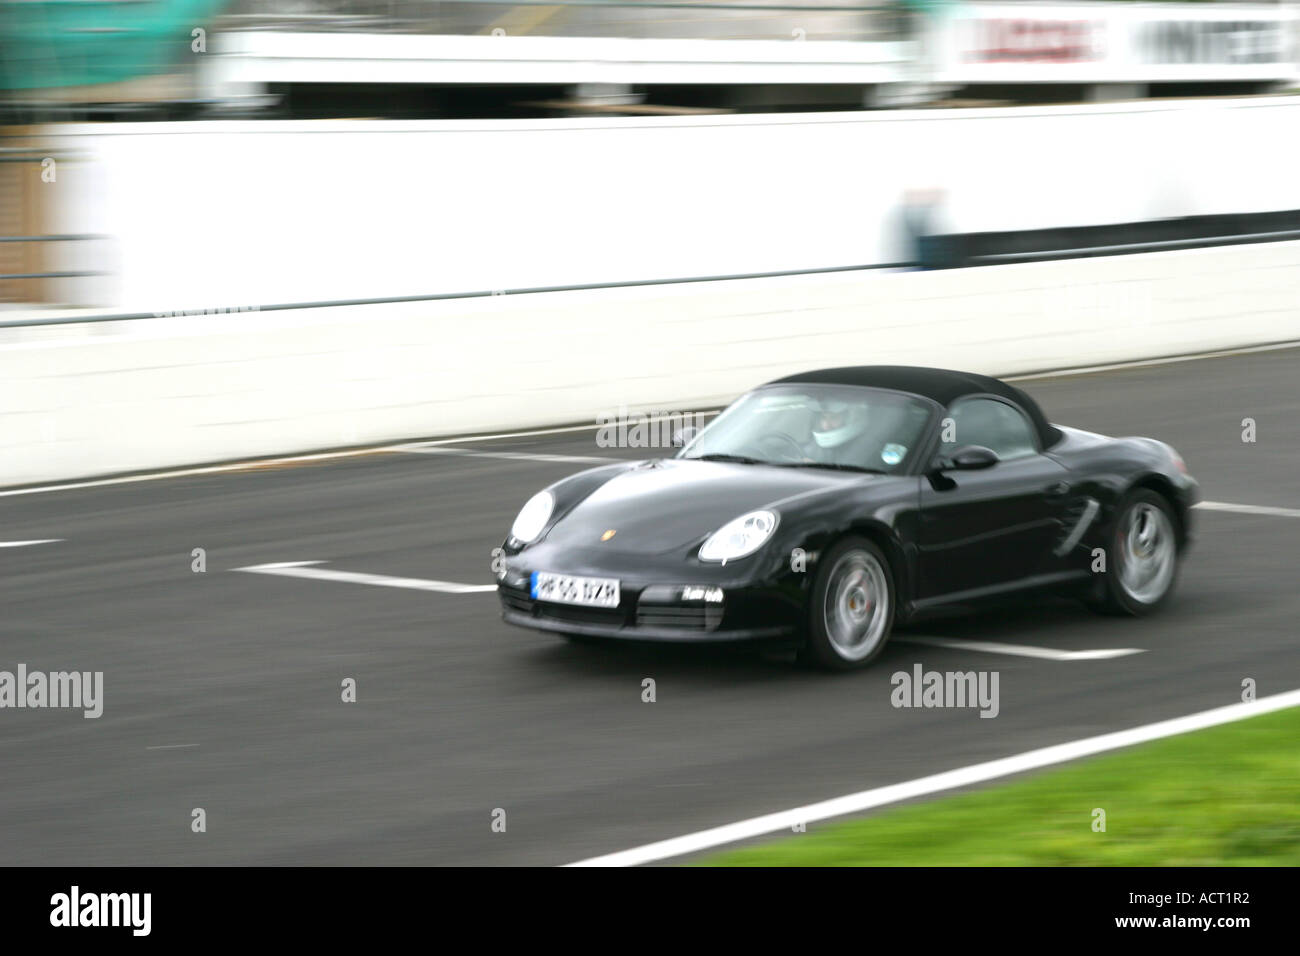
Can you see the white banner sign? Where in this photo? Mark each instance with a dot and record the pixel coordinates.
(1116, 43)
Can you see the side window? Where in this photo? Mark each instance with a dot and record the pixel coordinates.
(993, 424)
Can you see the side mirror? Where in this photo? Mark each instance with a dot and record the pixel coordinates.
(683, 436)
(969, 458)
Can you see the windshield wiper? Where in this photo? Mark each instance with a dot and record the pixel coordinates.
(832, 465)
(739, 459)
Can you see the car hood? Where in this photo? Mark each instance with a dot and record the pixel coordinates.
(668, 504)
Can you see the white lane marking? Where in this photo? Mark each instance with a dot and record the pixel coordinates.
(1146, 363)
(948, 780)
(1023, 650)
(24, 544)
(1249, 509)
(507, 455)
(172, 747)
(304, 569)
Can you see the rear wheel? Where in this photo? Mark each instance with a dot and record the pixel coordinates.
(851, 610)
(1142, 557)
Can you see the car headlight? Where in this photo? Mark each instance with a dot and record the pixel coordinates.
(533, 517)
(740, 537)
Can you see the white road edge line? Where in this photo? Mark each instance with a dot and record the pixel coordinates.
(1147, 363)
(1024, 650)
(507, 455)
(24, 544)
(304, 569)
(1249, 509)
(948, 780)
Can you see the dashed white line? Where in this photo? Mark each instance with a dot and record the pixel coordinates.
(24, 544)
(948, 780)
(1249, 509)
(172, 747)
(1023, 650)
(305, 569)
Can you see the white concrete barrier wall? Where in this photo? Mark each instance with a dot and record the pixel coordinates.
(89, 400)
(253, 213)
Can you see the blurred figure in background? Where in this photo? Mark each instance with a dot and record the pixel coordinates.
(928, 240)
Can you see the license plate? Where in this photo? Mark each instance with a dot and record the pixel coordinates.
(568, 589)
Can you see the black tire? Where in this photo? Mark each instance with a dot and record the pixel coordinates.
(853, 570)
(1113, 592)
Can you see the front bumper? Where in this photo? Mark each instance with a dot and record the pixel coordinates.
(650, 607)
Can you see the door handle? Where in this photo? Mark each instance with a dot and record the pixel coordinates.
(1057, 489)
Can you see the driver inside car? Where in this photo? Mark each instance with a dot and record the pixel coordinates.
(835, 426)
(853, 433)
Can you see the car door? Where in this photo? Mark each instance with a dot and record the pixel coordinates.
(984, 530)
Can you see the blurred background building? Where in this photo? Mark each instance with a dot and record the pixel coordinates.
(119, 63)
(478, 58)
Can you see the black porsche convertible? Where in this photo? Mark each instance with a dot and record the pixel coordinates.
(825, 507)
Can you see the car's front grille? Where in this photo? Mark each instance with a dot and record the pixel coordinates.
(515, 599)
(690, 617)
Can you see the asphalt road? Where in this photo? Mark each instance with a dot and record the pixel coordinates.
(222, 689)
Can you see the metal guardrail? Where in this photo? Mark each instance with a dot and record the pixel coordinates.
(433, 297)
(48, 238)
(19, 211)
(1130, 247)
(1187, 232)
(50, 275)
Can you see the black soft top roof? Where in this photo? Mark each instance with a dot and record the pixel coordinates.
(942, 385)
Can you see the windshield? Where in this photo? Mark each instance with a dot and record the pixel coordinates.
(828, 426)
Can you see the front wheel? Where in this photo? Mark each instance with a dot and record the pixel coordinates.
(851, 610)
(1143, 557)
